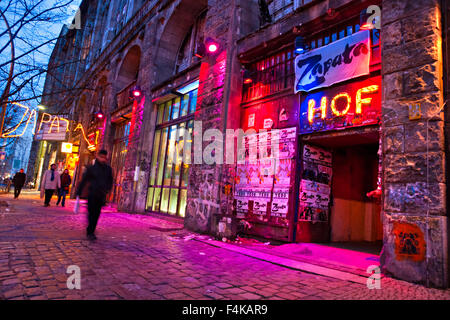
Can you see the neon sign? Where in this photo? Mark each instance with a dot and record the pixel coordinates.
(51, 127)
(353, 104)
(32, 115)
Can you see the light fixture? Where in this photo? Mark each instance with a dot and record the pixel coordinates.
(364, 22)
(135, 92)
(41, 107)
(248, 76)
(99, 115)
(209, 47)
(300, 45)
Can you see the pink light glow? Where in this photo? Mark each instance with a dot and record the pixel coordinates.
(212, 48)
(136, 93)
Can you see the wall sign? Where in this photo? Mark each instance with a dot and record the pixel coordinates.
(350, 105)
(341, 60)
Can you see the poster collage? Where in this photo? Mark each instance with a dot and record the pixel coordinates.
(315, 185)
(263, 175)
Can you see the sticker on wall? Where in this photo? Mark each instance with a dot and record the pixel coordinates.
(409, 242)
(251, 120)
(283, 115)
(268, 123)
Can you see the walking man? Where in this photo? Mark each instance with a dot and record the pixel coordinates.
(98, 179)
(19, 181)
(66, 180)
(50, 182)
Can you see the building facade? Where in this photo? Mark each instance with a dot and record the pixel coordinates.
(360, 155)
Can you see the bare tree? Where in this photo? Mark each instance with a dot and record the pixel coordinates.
(29, 31)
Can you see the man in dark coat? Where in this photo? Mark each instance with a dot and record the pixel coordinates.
(98, 178)
(19, 181)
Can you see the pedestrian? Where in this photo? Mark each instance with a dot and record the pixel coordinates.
(98, 179)
(66, 180)
(50, 182)
(19, 181)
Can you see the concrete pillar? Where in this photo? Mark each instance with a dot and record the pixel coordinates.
(414, 177)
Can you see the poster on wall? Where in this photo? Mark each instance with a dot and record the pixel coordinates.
(263, 186)
(341, 60)
(280, 203)
(315, 185)
(283, 171)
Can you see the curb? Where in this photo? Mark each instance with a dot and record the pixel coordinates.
(151, 224)
(288, 263)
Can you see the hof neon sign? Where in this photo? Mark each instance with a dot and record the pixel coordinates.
(353, 104)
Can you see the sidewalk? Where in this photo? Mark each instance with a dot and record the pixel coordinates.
(317, 259)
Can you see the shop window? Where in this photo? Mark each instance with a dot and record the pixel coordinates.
(172, 143)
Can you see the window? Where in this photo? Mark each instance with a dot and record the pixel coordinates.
(270, 75)
(332, 35)
(189, 44)
(281, 8)
(167, 192)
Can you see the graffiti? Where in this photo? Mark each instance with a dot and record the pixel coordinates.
(202, 207)
(409, 242)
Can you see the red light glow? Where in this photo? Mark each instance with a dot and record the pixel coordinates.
(248, 80)
(136, 93)
(366, 26)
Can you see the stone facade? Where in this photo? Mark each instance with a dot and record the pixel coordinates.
(415, 179)
(125, 43)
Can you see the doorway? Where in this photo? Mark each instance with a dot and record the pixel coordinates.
(355, 217)
(354, 221)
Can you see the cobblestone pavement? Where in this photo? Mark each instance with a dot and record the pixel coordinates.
(131, 261)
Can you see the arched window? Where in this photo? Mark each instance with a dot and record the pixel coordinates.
(186, 54)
